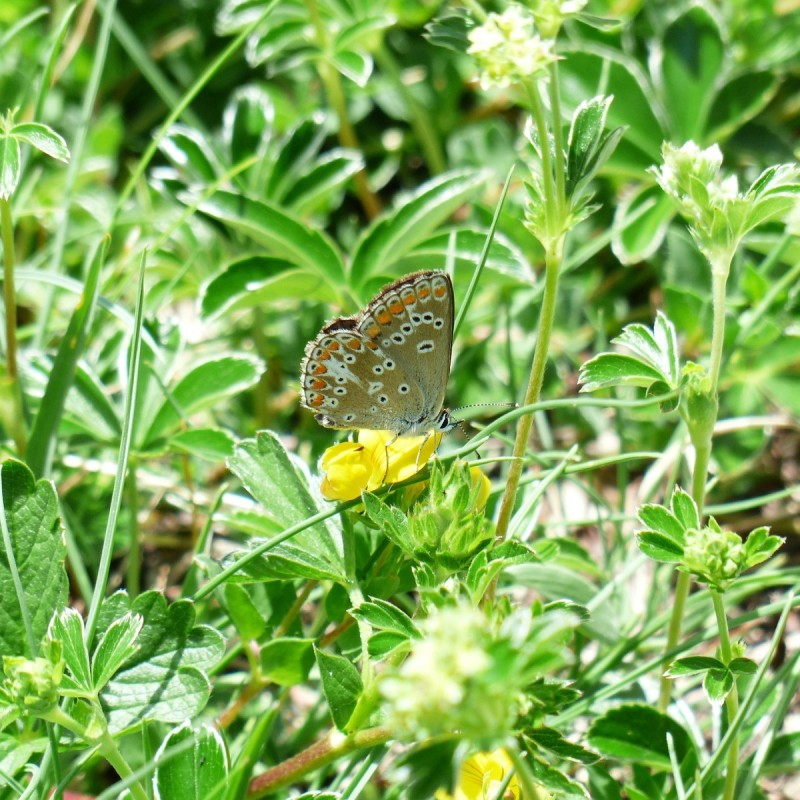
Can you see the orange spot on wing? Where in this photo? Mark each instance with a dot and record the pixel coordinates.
(319, 369)
(324, 355)
(333, 346)
(440, 291)
(371, 345)
(318, 384)
(424, 292)
(316, 401)
(396, 307)
(410, 299)
(373, 332)
(354, 344)
(383, 317)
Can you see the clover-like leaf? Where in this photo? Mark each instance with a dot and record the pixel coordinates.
(166, 679)
(30, 508)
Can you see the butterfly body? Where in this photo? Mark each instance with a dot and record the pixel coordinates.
(386, 368)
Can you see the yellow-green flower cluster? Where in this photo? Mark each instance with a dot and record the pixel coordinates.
(481, 776)
(716, 556)
(507, 48)
(32, 683)
(377, 457)
(452, 681)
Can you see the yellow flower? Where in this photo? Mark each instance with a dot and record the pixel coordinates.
(377, 457)
(481, 776)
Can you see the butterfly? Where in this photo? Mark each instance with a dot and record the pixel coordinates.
(386, 368)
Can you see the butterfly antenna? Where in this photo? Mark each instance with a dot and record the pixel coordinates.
(486, 405)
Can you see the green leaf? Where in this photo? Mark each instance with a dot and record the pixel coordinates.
(386, 617)
(341, 684)
(166, 679)
(282, 489)
(690, 67)
(284, 235)
(657, 347)
(365, 32)
(717, 685)
(30, 508)
(330, 173)
(117, 646)
(9, 165)
(203, 387)
(659, 547)
(259, 281)
(43, 138)
(192, 763)
(615, 369)
(296, 155)
(247, 123)
(641, 221)
(398, 231)
(287, 661)
(589, 146)
(738, 101)
(211, 444)
(760, 546)
(638, 734)
(743, 666)
(62, 373)
(504, 256)
(692, 665)
(685, 509)
(661, 520)
(392, 522)
(385, 642)
(68, 629)
(247, 619)
(554, 741)
(354, 64)
(188, 149)
(450, 30)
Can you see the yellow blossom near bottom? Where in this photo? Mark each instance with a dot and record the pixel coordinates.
(481, 777)
(377, 457)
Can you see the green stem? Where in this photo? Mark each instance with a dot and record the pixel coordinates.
(552, 267)
(522, 770)
(732, 700)
(419, 118)
(558, 140)
(331, 748)
(110, 751)
(333, 88)
(134, 572)
(553, 203)
(701, 439)
(16, 424)
(719, 281)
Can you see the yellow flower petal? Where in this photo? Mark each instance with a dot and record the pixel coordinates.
(348, 471)
(353, 467)
(482, 774)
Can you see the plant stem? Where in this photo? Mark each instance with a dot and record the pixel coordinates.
(420, 119)
(332, 747)
(732, 700)
(134, 572)
(553, 257)
(333, 87)
(523, 771)
(552, 267)
(16, 422)
(701, 440)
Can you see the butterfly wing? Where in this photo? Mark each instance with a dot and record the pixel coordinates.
(411, 321)
(353, 384)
